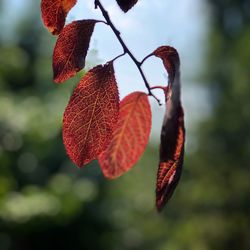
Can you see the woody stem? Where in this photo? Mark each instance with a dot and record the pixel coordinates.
(125, 48)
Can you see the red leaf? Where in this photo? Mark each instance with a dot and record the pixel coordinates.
(54, 13)
(171, 157)
(91, 115)
(171, 60)
(126, 5)
(130, 137)
(71, 49)
(173, 131)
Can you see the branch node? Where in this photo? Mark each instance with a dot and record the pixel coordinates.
(158, 100)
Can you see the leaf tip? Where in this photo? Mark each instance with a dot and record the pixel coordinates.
(126, 5)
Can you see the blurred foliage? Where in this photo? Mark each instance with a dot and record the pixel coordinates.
(224, 146)
(47, 203)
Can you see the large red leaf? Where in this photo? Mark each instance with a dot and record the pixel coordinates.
(126, 5)
(54, 13)
(91, 115)
(71, 49)
(130, 137)
(173, 131)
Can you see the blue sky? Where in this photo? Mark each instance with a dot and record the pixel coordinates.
(150, 24)
(182, 24)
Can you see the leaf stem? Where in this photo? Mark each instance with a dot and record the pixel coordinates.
(125, 48)
(165, 89)
(117, 57)
(145, 58)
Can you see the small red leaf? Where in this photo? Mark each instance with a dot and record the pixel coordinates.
(91, 115)
(54, 13)
(126, 5)
(130, 137)
(71, 49)
(171, 157)
(171, 60)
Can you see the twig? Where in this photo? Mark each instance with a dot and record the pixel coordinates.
(125, 48)
(117, 57)
(145, 58)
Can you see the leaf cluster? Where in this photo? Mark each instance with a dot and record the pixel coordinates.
(96, 124)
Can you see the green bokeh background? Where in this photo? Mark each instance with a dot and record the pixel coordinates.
(47, 203)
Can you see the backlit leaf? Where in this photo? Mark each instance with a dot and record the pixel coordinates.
(54, 13)
(171, 157)
(126, 5)
(173, 131)
(130, 137)
(91, 115)
(170, 59)
(71, 49)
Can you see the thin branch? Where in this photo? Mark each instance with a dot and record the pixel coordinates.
(125, 48)
(145, 58)
(117, 57)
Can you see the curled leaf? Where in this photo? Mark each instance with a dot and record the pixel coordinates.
(171, 60)
(173, 131)
(91, 115)
(130, 137)
(71, 49)
(54, 13)
(171, 157)
(126, 5)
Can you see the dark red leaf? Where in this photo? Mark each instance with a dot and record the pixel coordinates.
(173, 131)
(91, 115)
(130, 137)
(71, 49)
(171, 157)
(171, 60)
(54, 13)
(126, 5)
